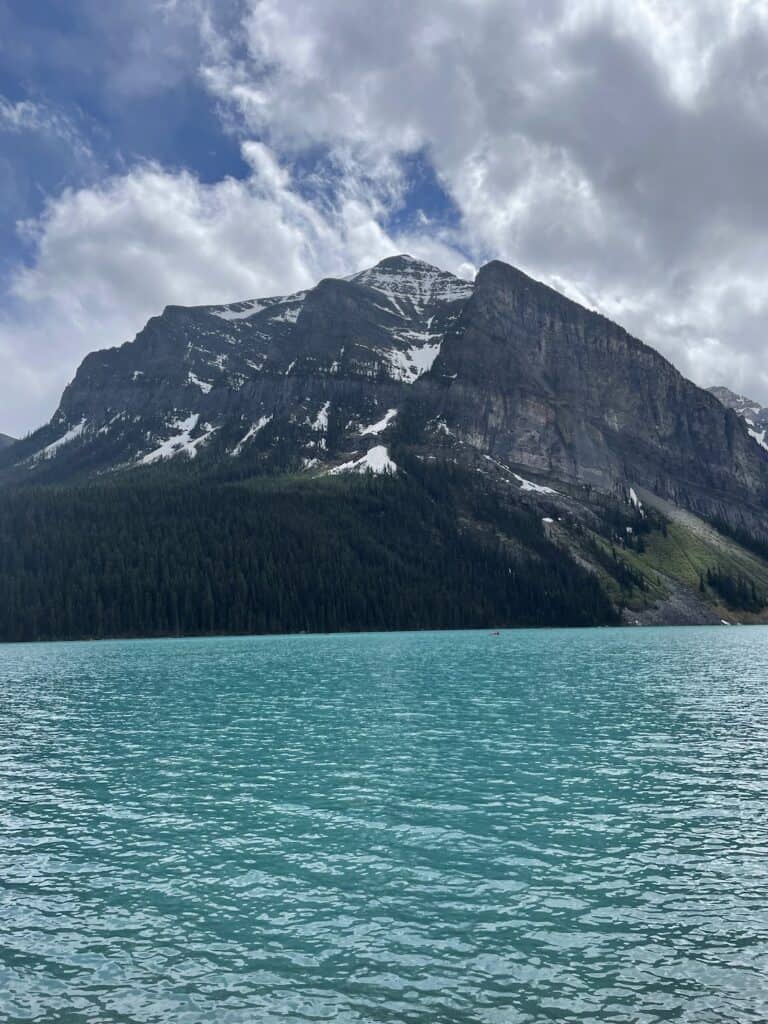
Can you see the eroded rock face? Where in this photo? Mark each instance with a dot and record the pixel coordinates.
(536, 380)
(753, 414)
(405, 354)
(306, 375)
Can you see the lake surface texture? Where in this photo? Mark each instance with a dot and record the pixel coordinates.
(540, 826)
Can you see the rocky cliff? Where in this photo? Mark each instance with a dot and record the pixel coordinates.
(754, 415)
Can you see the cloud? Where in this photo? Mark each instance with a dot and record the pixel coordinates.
(617, 149)
(107, 258)
(614, 149)
(40, 120)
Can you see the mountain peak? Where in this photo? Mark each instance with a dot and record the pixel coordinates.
(754, 415)
(732, 399)
(403, 261)
(405, 279)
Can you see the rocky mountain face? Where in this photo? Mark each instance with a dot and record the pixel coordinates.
(500, 374)
(304, 380)
(538, 381)
(753, 414)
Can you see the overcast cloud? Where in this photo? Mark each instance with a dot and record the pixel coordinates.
(615, 149)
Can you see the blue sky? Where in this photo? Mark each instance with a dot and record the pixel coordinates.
(186, 151)
(61, 57)
(156, 109)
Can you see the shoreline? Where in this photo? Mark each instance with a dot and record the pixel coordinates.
(491, 631)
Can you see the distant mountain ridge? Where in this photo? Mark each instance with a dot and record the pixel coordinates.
(753, 414)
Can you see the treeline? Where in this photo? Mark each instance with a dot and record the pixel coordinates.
(736, 591)
(155, 558)
(757, 544)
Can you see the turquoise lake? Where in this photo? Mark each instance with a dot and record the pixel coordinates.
(425, 827)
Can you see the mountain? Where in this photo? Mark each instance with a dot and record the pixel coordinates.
(753, 414)
(6, 441)
(313, 377)
(504, 367)
(538, 428)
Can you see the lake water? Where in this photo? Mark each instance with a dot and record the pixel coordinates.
(434, 827)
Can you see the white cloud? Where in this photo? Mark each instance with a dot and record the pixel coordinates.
(20, 116)
(25, 116)
(108, 258)
(616, 148)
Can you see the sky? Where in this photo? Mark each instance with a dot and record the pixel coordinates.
(204, 151)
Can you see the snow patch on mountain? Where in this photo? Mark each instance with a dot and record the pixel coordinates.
(529, 485)
(204, 385)
(759, 436)
(252, 432)
(239, 310)
(412, 293)
(381, 425)
(106, 427)
(181, 443)
(320, 421)
(52, 450)
(289, 315)
(405, 281)
(286, 308)
(408, 366)
(376, 460)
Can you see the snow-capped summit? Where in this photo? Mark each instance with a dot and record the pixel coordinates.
(411, 285)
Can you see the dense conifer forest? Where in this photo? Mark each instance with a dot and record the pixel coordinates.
(160, 555)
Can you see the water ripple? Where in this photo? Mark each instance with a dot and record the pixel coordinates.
(541, 826)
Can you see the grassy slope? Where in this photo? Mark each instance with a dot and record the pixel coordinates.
(684, 555)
